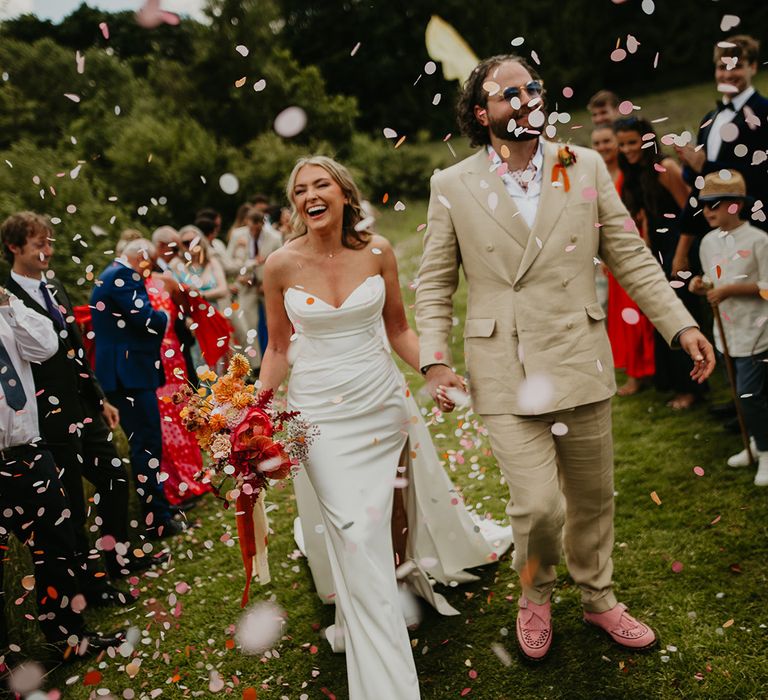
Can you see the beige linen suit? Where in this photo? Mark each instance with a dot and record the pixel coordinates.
(533, 314)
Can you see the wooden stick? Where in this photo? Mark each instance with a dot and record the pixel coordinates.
(732, 381)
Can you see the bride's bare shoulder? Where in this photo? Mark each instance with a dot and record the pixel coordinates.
(281, 260)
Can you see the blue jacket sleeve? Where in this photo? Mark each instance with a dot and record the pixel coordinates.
(133, 301)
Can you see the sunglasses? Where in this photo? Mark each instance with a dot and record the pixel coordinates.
(534, 89)
(716, 204)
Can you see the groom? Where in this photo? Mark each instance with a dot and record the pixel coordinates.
(527, 220)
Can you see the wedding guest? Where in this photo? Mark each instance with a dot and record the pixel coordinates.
(181, 458)
(251, 259)
(733, 135)
(603, 107)
(239, 224)
(655, 193)
(126, 236)
(283, 226)
(30, 490)
(129, 334)
(76, 420)
(167, 243)
(217, 249)
(630, 332)
(733, 284)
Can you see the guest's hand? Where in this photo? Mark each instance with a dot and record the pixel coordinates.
(111, 414)
(700, 349)
(717, 294)
(692, 157)
(697, 285)
(679, 263)
(5, 297)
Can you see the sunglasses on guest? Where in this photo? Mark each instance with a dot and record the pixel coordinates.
(716, 204)
(534, 88)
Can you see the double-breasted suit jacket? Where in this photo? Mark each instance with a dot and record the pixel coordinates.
(532, 308)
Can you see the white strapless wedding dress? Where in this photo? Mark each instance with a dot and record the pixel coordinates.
(372, 440)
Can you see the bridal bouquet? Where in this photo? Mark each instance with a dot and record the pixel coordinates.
(248, 442)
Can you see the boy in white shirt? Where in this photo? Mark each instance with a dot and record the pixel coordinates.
(734, 257)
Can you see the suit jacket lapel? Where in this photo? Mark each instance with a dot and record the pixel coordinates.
(488, 190)
(551, 203)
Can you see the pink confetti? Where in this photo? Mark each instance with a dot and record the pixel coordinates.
(698, 471)
(104, 29)
(618, 55)
(589, 193)
(626, 107)
(677, 566)
(630, 316)
(567, 92)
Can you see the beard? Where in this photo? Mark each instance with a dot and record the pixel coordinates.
(499, 129)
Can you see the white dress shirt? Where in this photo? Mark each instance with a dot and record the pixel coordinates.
(526, 201)
(31, 286)
(723, 117)
(28, 337)
(742, 258)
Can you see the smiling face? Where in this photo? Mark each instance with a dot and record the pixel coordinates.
(33, 258)
(723, 214)
(733, 75)
(630, 145)
(604, 141)
(498, 112)
(318, 198)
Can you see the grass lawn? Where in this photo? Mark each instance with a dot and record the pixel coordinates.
(711, 615)
(709, 610)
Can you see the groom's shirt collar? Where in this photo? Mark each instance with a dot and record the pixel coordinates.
(526, 201)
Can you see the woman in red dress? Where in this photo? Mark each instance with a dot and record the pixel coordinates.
(182, 457)
(629, 330)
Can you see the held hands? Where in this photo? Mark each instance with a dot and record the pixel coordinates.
(717, 294)
(701, 352)
(443, 384)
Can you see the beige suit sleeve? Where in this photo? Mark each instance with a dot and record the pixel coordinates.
(438, 278)
(633, 264)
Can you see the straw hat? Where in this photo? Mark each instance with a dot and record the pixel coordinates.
(717, 187)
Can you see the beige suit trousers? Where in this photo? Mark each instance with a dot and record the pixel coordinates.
(561, 496)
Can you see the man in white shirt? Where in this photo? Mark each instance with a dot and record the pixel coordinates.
(32, 501)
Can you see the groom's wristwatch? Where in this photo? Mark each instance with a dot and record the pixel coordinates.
(425, 368)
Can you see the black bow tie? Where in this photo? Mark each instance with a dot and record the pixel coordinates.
(724, 105)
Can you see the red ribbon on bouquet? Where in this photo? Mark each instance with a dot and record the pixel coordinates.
(257, 458)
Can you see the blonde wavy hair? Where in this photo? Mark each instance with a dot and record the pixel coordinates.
(353, 210)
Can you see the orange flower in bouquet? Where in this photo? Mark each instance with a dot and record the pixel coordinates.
(249, 442)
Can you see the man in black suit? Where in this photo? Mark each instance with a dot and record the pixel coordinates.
(33, 504)
(732, 136)
(76, 420)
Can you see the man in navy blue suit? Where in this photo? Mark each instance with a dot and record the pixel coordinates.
(129, 333)
(732, 136)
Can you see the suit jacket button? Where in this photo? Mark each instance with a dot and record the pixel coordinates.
(565, 283)
(517, 287)
(574, 239)
(570, 324)
(489, 247)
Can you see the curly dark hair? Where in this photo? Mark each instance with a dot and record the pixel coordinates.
(472, 94)
(642, 189)
(17, 228)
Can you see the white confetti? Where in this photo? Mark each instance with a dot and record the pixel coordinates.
(290, 122)
(229, 183)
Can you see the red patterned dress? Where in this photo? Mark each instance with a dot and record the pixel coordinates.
(629, 330)
(181, 454)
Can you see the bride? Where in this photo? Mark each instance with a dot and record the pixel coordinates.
(375, 504)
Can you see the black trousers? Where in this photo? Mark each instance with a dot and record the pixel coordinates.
(140, 419)
(89, 454)
(32, 501)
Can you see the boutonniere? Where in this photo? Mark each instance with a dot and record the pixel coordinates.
(565, 159)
